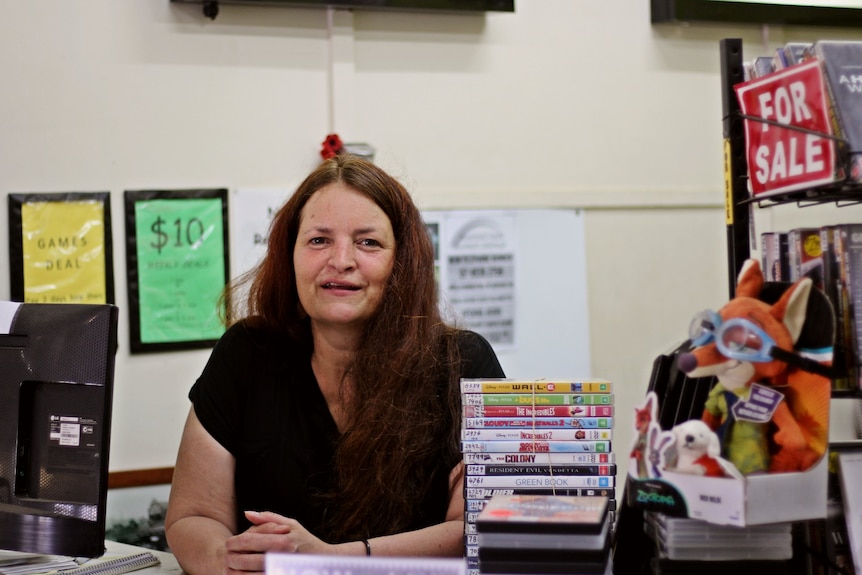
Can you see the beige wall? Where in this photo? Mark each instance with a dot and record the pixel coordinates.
(561, 104)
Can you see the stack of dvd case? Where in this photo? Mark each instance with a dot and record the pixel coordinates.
(541, 437)
(683, 542)
(544, 534)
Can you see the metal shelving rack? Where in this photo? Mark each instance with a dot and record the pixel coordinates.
(737, 197)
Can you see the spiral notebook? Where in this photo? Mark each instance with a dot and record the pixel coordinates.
(114, 565)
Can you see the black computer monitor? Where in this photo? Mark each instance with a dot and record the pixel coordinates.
(56, 390)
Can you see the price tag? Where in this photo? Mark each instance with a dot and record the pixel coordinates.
(760, 405)
(782, 159)
(180, 264)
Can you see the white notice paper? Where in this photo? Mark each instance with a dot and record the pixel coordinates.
(299, 564)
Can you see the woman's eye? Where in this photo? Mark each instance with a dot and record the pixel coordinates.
(317, 241)
(368, 242)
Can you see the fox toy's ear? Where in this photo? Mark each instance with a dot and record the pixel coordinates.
(792, 307)
(750, 279)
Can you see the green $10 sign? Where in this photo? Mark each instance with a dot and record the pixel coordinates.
(181, 268)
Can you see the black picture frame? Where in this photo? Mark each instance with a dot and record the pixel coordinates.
(138, 343)
(16, 204)
(722, 11)
(454, 6)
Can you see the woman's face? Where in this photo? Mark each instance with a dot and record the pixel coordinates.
(343, 256)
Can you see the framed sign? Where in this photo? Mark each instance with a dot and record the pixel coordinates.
(177, 266)
(60, 248)
(808, 13)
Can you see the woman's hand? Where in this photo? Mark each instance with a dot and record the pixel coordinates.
(269, 532)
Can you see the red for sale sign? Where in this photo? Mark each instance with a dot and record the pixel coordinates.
(783, 159)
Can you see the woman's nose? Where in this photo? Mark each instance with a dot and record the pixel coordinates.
(342, 256)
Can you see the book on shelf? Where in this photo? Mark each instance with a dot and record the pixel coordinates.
(520, 562)
(806, 255)
(538, 411)
(534, 386)
(486, 494)
(528, 469)
(796, 52)
(532, 399)
(536, 446)
(537, 433)
(550, 514)
(544, 534)
(832, 256)
(774, 257)
(538, 458)
(842, 358)
(779, 59)
(762, 66)
(840, 61)
(845, 330)
(541, 481)
(478, 503)
(538, 422)
(533, 437)
(682, 538)
(850, 254)
(547, 522)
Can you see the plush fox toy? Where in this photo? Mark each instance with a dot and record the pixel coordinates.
(772, 413)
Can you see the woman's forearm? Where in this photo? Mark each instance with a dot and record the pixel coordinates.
(441, 540)
(198, 543)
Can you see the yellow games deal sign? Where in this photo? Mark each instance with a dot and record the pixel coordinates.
(64, 255)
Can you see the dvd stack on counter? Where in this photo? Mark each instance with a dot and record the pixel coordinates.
(544, 534)
(691, 546)
(539, 437)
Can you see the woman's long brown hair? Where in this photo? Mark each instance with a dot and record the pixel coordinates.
(405, 370)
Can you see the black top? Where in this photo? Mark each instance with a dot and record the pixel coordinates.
(258, 397)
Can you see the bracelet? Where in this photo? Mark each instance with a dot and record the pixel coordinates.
(367, 547)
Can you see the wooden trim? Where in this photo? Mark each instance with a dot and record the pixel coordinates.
(140, 477)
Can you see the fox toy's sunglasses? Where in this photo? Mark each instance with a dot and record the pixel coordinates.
(743, 340)
(736, 338)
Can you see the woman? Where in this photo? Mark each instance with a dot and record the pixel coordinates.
(327, 418)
